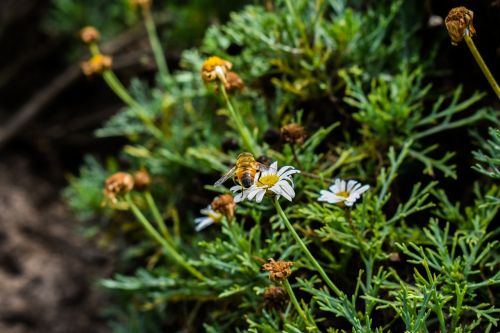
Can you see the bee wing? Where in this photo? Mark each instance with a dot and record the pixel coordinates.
(228, 175)
(262, 167)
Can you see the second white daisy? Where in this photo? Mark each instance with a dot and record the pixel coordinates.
(343, 193)
(271, 181)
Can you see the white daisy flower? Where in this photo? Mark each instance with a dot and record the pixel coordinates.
(343, 193)
(211, 217)
(272, 180)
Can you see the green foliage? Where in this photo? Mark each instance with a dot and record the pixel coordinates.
(405, 257)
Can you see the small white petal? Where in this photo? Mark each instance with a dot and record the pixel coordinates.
(203, 223)
(350, 185)
(260, 196)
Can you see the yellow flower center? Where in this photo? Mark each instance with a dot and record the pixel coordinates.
(268, 180)
(343, 194)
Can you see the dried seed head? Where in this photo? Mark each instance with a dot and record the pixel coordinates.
(278, 270)
(146, 4)
(97, 64)
(215, 68)
(275, 297)
(293, 134)
(89, 35)
(142, 180)
(118, 184)
(459, 22)
(234, 82)
(224, 204)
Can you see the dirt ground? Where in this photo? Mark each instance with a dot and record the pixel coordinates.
(47, 270)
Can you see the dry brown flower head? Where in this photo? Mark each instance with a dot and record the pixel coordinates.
(225, 205)
(145, 4)
(459, 22)
(117, 184)
(293, 134)
(97, 64)
(234, 82)
(142, 180)
(215, 68)
(275, 297)
(278, 270)
(89, 35)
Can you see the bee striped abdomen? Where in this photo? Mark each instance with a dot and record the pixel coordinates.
(245, 169)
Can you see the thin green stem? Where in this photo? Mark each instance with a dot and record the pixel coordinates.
(119, 89)
(248, 140)
(482, 65)
(157, 237)
(157, 216)
(158, 52)
(114, 84)
(295, 303)
(306, 251)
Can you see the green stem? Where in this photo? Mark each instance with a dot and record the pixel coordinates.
(482, 65)
(155, 42)
(117, 87)
(157, 216)
(156, 236)
(306, 251)
(114, 84)
(295, 303)
(248, 140)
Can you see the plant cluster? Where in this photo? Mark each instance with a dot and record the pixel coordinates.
(342, 217)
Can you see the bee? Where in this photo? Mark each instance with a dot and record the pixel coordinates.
(244, 171)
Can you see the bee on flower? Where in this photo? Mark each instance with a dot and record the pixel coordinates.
(270, 181)
(221, 206)
(343, 193)
(215, 68)
(97, 64)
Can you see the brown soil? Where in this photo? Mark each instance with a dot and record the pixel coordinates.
(47, 270)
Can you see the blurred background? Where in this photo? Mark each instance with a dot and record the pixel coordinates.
(48, 114)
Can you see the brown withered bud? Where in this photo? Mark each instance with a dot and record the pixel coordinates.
(146, 4)
(142, 180)
(225, 205)
(459, 22)
(234, 82)
(278, 270)
(293, 134)
(215, 68)
(118, 184)
(97, 64)
(89, 35)
(275, 297)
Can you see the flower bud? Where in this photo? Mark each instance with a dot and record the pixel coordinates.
(459, 22)
(145, 4)
(293, 134)
(224, 204)
(118, 184)
(89, 35)
(278, 270)
(97, 64)
(215, 68)
(275, 297)
(142, 180)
